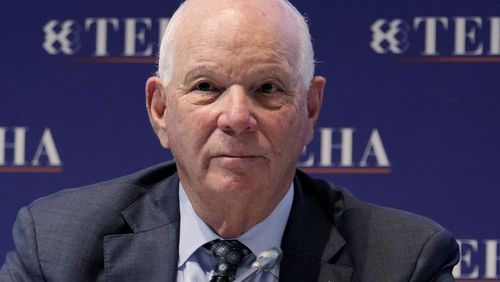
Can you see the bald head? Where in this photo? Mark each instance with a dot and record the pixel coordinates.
(278, 19)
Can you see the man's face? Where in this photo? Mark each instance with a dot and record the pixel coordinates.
(236, 111)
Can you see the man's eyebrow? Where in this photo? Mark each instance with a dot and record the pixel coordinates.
(199, 71)
(276, 72)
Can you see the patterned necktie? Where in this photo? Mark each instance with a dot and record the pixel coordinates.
(228, 254)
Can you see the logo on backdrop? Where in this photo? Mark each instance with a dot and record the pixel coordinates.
(438, 38)
(389, 36)
(479, 259)
(63, 41)
(23, 151)
(341, 150)
(104, 39)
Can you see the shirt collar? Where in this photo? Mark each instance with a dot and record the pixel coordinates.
(194, 232)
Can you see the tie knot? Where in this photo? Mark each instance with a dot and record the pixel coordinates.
(227, 255)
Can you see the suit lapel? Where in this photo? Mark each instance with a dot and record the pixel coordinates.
(312, 246)
(150, 253)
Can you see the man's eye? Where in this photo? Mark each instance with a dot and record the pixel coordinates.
(204, 86)
(268, 88)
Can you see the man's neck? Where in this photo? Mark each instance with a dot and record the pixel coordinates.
(230, 218)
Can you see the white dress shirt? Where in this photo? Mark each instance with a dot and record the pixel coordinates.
(196, 262)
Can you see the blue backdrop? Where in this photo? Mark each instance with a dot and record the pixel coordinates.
(410, 120)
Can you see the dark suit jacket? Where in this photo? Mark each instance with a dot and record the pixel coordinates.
(127, 229)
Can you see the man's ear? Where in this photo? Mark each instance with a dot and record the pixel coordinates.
(314, 102)
(156, 106)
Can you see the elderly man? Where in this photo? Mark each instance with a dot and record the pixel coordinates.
(235, 100)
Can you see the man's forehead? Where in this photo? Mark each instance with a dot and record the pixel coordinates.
(205, 6)
(271, 12)
(235, 26)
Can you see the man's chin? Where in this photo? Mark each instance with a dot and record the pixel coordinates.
(237, 169)
(235, 184)
(237, 164)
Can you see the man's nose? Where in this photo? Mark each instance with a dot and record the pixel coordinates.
(237, 112)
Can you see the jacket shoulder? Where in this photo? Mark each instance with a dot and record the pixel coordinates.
(66, 229)
(354, 215)
(106, 197)
(386, 244)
